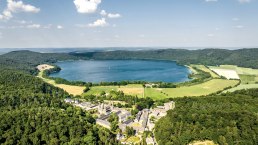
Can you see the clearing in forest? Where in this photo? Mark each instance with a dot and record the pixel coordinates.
(206, 142)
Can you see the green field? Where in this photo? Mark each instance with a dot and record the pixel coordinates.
(248, 76)
(239, 70)
(247, 79)
(162, 93)
(206, 88)
(242, 86)
(205, 69)
(131, 89)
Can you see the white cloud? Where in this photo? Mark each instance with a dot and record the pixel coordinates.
(244, 1)
(114, 15)
(211, 0)
(86, 6)
(109, 15)
(99, 23)
(59, 27)
(19, 6)
(6, 15)
(34, 26)
(103, 13)
(16, 7)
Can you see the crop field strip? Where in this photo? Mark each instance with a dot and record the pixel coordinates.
(248, 77)
(205, 88)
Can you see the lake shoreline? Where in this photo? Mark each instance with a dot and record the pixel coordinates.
(183, 71)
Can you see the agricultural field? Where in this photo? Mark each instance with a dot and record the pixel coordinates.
(242, 86)
(227, 73)
(248, 77)
(205, 69)
(131, 89)
(205, 88)
(239, 70)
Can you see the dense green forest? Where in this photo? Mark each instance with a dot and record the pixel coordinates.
(27, 61)
(241, 57)
(33, 112)
(226, 119)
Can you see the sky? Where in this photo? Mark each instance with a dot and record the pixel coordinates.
(128, 23)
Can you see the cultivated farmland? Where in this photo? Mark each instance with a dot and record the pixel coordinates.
(205, 88)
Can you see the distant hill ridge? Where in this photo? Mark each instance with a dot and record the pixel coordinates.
(28, 60)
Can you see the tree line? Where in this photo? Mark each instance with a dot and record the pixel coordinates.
(225, 119)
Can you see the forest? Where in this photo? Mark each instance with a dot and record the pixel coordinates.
(33, 112)
(27, 60)
(241, 57)
(225, 119)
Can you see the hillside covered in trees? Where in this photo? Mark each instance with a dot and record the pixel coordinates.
(27, 61)
(241, 57)
(33, 112)
(225, 119)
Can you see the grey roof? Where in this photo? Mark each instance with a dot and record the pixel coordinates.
(128, 121)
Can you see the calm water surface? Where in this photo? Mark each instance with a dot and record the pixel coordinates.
(118, 70)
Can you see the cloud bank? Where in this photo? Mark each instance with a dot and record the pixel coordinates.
(86, 6)
(17, 7)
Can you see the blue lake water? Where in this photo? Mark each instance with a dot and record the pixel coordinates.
(118, 70)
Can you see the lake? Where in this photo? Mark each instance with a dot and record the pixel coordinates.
(117, 70)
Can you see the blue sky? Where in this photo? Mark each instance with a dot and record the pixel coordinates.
(128, 23)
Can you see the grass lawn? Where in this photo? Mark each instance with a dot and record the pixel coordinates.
(132, 140)
(205, 88)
